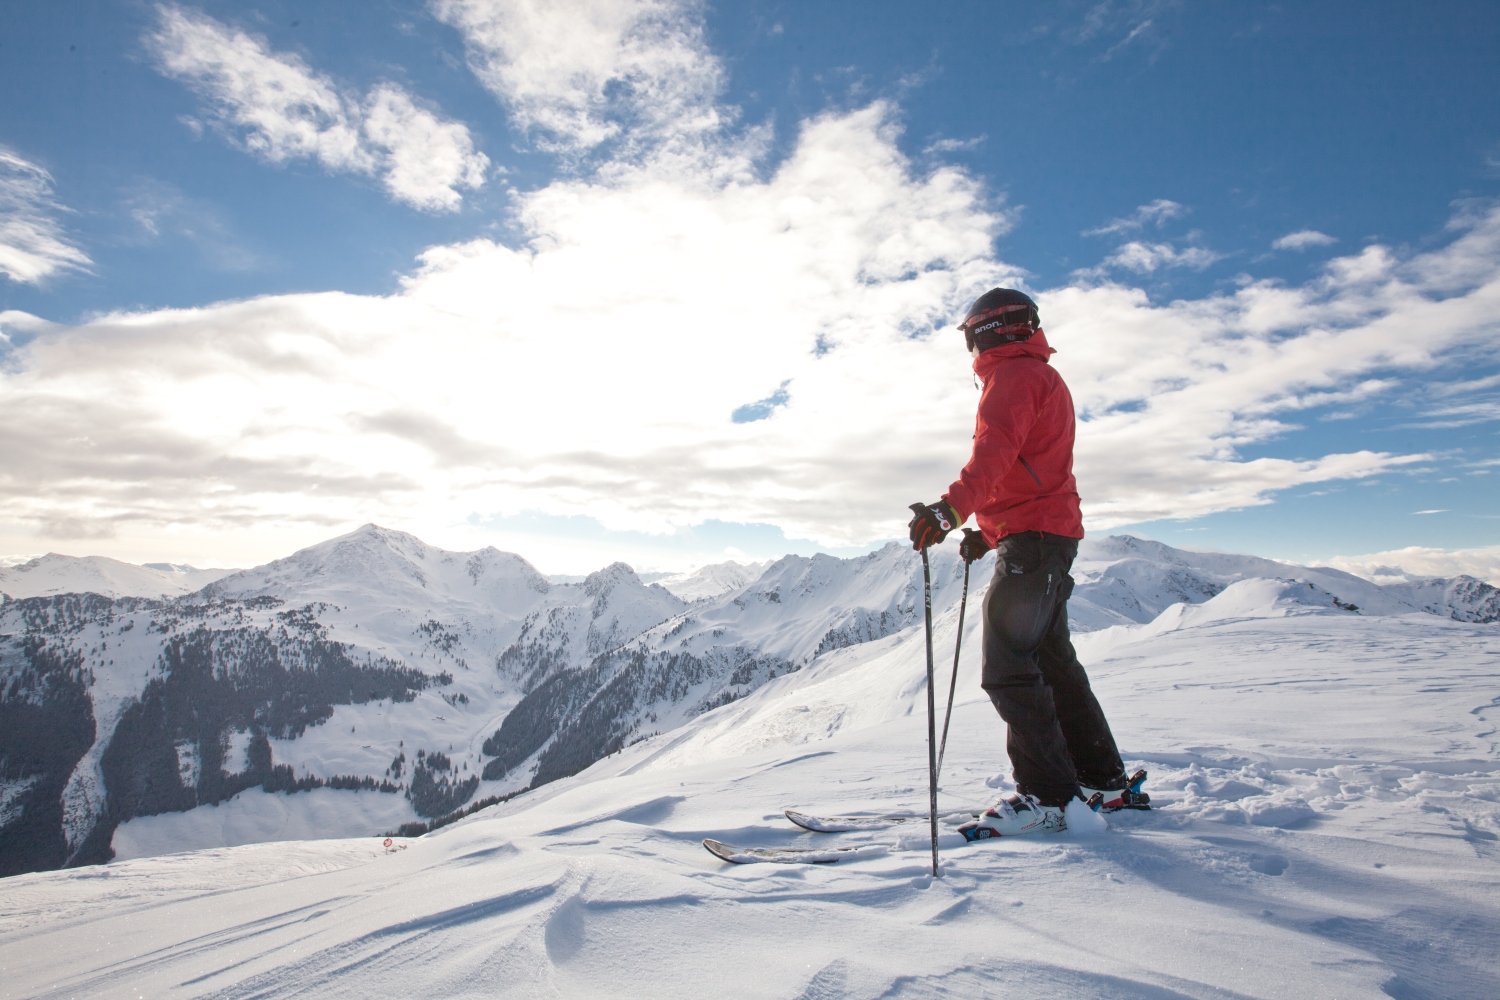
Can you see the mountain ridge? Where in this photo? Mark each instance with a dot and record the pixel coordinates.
(54, 574)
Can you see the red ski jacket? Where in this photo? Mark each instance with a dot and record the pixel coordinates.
(1020, 477)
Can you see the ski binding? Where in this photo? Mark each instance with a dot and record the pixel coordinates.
(1131, 797)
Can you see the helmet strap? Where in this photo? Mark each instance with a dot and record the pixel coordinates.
(1013, 334)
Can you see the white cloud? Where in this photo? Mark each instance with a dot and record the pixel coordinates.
(1463, 403)
(594, 366)
(1157, 213)
(595, 369)
(1302, 239)
(1138, 31)
(955, 145)
(280, 109)
(1462, 415)
(426, 158)
(1416, 563)
(1129, 21)
(161, 211)
(1146, 258)
(33, 245)
(585, 71)
(1469, 385)
(1170, 392)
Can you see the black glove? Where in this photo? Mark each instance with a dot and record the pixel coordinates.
(932, 523)
(973, 547)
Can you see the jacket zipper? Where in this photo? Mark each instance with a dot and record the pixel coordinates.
(1031, 470)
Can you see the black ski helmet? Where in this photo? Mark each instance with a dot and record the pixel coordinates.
(997, 310)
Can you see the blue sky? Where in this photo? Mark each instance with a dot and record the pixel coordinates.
(556, 376)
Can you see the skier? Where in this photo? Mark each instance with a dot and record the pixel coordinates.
(1019, 484)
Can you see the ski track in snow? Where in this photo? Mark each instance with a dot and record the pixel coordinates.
(1327, 824)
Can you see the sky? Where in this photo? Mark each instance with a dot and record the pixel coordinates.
(675, 282)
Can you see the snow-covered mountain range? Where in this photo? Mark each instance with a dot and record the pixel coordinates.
(55, 574)
(373, 681)
(1124, 580)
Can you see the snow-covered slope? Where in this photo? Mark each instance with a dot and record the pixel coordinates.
(1326, 784)
(54, 574)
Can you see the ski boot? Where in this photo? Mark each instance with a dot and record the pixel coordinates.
(1129, 797)
(1013, 816)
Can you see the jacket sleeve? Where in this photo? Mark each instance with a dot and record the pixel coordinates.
(1008, 409)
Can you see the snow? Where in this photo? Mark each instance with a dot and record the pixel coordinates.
(255, 817)
(1083, 821)
(55, 574)
(189, 763)
(1327, 785)
(237, 752)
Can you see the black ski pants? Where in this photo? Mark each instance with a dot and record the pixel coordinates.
(1056, 735)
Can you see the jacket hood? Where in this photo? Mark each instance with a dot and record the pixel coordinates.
(1035, 346)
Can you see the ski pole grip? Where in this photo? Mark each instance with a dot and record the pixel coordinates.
(917, 508)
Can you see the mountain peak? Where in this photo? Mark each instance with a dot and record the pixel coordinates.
(392, 538)
(386, 565)
(609, 577)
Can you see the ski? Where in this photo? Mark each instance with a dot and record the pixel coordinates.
(790, 855)
(847, 824)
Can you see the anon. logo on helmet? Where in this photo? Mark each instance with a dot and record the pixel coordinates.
(992, 324)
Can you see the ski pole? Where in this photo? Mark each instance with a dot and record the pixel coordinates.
(958, 644)
(931, 715)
